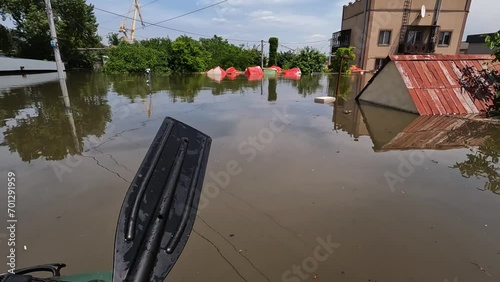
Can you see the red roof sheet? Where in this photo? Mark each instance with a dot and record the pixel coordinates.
(433, 82)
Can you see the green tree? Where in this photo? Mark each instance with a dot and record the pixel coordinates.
(222, 53)
(188, 56)
(248, 57)
(309, 60)
(346, 55)
(6, 41)
(76, 27)
(273, 51)
(113, 39)
(135, 58)
(285, 59)
(493, 42)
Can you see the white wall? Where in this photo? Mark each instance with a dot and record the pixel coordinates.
(14, 64)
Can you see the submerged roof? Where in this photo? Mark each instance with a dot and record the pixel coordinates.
(433, 82)
(440, 133)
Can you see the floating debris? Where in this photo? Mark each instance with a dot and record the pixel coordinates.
(481, 268)
(324, 100)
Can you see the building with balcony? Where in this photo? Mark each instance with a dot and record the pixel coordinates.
(379, 28)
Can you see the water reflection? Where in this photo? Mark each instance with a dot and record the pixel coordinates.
(307, 84)
(38, 124)
(346, 114)
(69, 113)
(272, 94)
(179, 88)
(392, 130)
(483, 162)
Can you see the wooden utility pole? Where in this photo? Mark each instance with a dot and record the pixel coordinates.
(57, 55)
(262, 53)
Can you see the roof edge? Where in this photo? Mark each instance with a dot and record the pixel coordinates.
(386, 62)
(463, 57)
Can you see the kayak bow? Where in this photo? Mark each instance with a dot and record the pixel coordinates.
(158, 212)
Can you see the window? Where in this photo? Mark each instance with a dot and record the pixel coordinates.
(414, 37)
(384, 37)
(379, 62)
(444, 38)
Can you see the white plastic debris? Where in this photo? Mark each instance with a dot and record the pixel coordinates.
(324, 100)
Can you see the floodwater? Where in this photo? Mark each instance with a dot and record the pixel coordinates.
(323, 192)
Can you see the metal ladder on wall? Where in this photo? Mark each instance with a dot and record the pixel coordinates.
(404, 27)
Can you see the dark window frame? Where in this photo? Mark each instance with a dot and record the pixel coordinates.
(379, 63)
(441, 42)
(381, 37)
(417, 39)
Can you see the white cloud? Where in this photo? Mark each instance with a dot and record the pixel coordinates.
(290, 20)
(260, 13)
(318, 36)
(219, 20)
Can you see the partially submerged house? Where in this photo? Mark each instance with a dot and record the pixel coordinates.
(427, 84)
(392, 130)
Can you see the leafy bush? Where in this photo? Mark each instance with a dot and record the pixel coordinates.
(309, 60)
(285, 59)
(186, 55)
(349, 56)
(273, 51)
(131, 58)
(493, 42)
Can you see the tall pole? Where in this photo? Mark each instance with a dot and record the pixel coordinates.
(330, 52)
(262, 53)
(53, 41)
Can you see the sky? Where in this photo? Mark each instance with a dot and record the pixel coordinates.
(296, 23)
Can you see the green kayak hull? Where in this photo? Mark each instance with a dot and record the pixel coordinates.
(104, 276)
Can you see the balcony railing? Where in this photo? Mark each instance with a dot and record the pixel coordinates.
(418, 39)
(416, 48)
(341, 39)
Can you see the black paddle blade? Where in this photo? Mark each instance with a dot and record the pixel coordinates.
(160, 207)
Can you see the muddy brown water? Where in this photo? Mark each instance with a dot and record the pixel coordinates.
(319, 193)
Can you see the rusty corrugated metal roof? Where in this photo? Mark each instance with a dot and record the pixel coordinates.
(439, 133)
(433, 82)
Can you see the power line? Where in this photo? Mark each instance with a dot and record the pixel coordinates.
(310, 42)
(115, 31)
(174, 29)
(149, 3)
(189, 13)
(130, 10)
(199, 34)
(287, 47)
